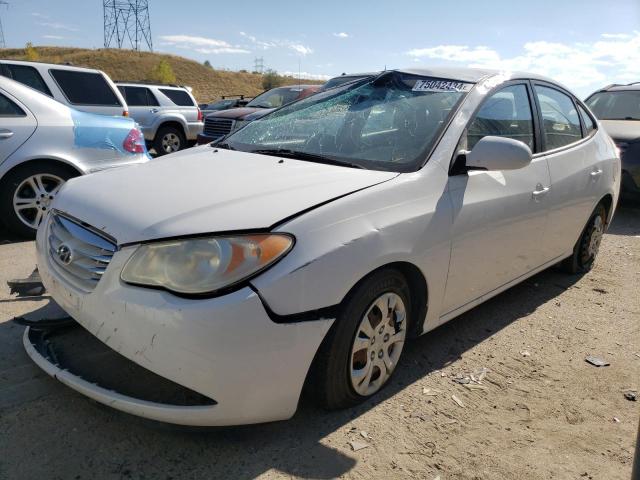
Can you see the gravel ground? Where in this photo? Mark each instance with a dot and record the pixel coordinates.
(541, 411)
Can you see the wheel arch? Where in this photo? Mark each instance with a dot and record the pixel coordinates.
(56, 161)
(607, 202)
(174, 123)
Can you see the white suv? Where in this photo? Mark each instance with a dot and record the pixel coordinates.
(168, 115)
(81, 88)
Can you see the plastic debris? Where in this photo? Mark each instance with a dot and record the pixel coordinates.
(27, 287)
(430, 393)
(597, 361)
(525, 353)
(364, 434)
(461, 380)
(458, 401)
(616, 419)
(355, 446)
(631, 395)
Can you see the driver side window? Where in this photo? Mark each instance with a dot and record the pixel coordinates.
(506, 113)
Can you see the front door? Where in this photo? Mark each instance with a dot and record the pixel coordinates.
(499, 217)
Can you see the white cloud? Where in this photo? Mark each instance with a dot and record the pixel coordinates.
(57, 25)
(268, 44)
(306, 75)
(614, 57)
(53, 37)
(301, 49)
(341, 35)
(201, 44)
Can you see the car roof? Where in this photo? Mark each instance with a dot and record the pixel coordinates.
(49, 65)
(635, 86)
(473, 75)
(149, 84)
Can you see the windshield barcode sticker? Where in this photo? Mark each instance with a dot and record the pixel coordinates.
(441, 86)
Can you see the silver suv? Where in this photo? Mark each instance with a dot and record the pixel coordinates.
(81, 88)
(168, 115)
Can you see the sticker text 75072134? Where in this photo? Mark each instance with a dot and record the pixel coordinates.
(441, 86)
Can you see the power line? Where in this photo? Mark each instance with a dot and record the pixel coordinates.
(127, 20)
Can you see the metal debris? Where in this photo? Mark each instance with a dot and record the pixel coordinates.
(27, 287)
(597, 361)
(631, 395)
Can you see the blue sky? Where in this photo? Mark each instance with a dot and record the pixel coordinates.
(582, 43)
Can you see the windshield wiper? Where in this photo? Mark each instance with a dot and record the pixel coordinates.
(311, 157)
(224, 145)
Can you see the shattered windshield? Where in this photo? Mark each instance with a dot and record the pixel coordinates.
(387, 123)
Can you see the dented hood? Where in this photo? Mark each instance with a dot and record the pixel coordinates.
(203, 190)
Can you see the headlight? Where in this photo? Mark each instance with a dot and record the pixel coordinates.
(199, 266)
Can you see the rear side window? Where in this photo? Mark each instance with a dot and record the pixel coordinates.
(507, 113)
(560, 121)
(139, 97)
(9, 109)
(85, 88)
(587, 121)
(28, 76)
(179, 97)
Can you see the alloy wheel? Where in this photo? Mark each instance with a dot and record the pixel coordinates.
(378, 344)
(32, 199)
(170, 143)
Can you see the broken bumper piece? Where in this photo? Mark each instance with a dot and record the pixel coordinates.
(80, 361)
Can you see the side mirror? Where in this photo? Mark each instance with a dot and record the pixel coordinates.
(498, 153)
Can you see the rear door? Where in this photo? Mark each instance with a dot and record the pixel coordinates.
(499, 217)
(143, 107)
(89, 91)
(576, 174)
(17, 124)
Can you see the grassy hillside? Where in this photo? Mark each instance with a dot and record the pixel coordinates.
(207, 83)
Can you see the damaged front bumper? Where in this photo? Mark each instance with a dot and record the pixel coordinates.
(226, 349)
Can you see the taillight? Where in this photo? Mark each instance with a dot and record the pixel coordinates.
(134, 143)
(200, 116)
(125, 113)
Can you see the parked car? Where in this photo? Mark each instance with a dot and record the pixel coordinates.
(44, 143)
(84, 89)
(310, 246)
(167, 114)
(219, 124)
(346, 78)
(226, 103)
(618, 109)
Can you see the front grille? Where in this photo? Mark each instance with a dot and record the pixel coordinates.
(217, 127)
(78, 253)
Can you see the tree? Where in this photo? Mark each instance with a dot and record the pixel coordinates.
(207, 64)
(271, 79)
(31, 53)
(162, 73)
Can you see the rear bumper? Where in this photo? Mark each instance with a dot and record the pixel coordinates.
(194, 129)
(226, 349)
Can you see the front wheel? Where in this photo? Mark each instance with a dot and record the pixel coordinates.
(588, 245)
(364, 346)
(26, 195)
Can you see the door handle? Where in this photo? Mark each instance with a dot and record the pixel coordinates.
(540, 191)
(5, 134)
(596, 173)
(154, 110)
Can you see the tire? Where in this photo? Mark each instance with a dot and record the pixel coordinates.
(16, 186)
(169, 140)
(331, 381)
(587, 246)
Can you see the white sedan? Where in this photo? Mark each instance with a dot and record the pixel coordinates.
(309, 246)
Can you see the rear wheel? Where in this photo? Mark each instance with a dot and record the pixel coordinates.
(169, 140)
(364, 346)
(588, 245)
(27, 192)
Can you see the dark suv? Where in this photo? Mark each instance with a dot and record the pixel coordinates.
(618, 109)
(219, 124)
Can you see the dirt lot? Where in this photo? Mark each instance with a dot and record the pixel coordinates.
(541, 412)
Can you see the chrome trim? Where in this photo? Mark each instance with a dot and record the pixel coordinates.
(91, 251)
